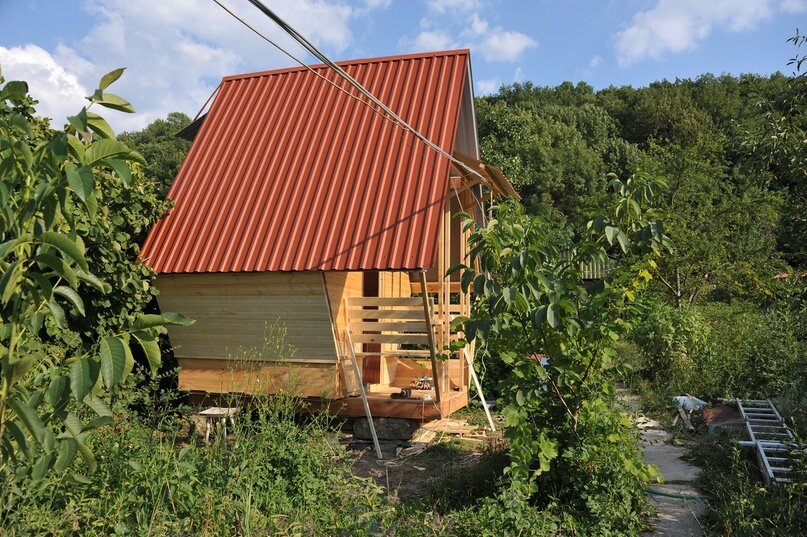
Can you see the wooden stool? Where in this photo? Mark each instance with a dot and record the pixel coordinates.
(218, 415)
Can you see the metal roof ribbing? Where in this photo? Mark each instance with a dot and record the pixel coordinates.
(289, 173)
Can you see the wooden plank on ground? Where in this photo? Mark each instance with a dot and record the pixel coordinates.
(450, 426)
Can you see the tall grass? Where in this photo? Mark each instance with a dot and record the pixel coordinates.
(276, 476)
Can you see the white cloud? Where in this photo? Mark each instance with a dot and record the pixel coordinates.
(59, 92)
(478, 25)
(675, 26)
(429, 40)
(488, 86)
(505, 46)
(378, 4)
(176, 51)
(494, 43)
(518, 75)
(595, 61)
(794, 6)
(443, 6)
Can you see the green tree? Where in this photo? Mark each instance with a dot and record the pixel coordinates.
(567, 442)
(161, 148)
(548, 160)
(776, 149)
(52, 393)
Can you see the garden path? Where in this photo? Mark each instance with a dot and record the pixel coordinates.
(677, 517)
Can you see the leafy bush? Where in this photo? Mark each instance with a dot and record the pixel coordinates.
(741, 506)
(274, 477)
(717, 350)
(574, 457)
(672, 340)
(58, 243)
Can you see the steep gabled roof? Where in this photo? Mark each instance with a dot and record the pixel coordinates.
(289, 173)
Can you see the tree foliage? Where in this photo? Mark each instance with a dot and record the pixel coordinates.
(161, 148)
(729, 147)
(554, 334)
(58, 246)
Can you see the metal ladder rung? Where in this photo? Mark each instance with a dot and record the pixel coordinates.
(773, 444)
(769, 436)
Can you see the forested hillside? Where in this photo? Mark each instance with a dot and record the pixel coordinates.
(725, 313)
(731, 149)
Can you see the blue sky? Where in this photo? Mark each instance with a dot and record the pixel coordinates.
(177, 50)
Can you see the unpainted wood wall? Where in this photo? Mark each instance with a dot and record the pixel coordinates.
(225, 350)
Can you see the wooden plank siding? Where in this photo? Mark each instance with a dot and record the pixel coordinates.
(394, 284)
(234, 314)
(259, 378)
(338, 286)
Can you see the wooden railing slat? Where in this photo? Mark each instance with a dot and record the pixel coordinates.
(400, 327)
(403, 315)
(412, 339)
(412, 302)
(400, 353)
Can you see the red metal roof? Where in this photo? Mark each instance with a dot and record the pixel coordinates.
(289, 173)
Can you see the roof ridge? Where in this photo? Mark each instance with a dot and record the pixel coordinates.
(345, 63)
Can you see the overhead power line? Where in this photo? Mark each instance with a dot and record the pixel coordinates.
(296, 59)
(314, 51)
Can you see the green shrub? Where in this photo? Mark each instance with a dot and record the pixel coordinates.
(741, 506)
(716, 350)
(671, 339)
(274, 477)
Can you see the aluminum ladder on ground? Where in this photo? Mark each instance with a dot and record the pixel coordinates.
(770, 438)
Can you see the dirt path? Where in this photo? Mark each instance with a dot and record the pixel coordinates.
(677, 517)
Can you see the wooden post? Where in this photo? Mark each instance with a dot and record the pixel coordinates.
(430, 333)
(478, 385)
(364, 397)
(445, 295)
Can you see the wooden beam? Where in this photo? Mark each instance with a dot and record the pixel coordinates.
(403, 315)
(428, 314)
(434, 287)
(400, 327)
(367, 411)
(412, 302)
(411, 339)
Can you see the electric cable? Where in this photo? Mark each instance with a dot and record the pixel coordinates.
(314, 51)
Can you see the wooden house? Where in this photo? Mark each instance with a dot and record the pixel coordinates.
(302, 204)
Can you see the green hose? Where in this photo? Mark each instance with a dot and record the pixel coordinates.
(678, 496)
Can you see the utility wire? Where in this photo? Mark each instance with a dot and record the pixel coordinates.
(307, 45)
(296, 59)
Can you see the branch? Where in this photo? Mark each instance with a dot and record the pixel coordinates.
(551, 381)
(665, 282)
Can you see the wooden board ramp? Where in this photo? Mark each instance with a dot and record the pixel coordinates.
(450, 426)
(770, 438)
